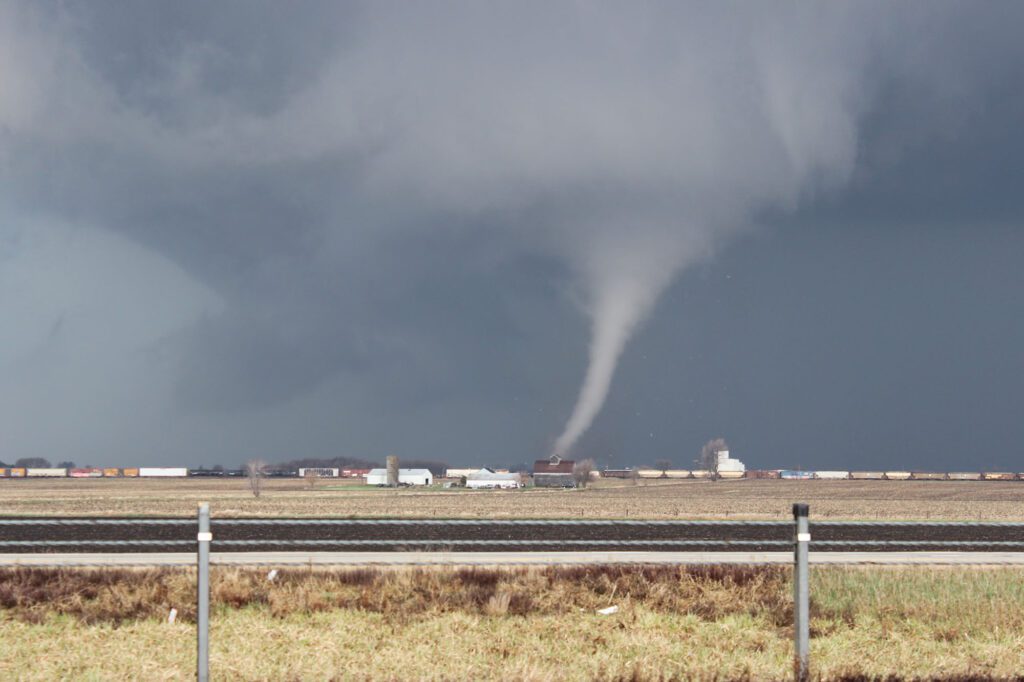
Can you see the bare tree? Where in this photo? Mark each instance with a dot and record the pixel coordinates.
(311, 477)
(634, 475)
(709, 455)
(663, 464)
(254, 468)
(581, 472)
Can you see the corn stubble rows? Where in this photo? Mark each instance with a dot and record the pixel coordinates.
(526, 623)
(749, 499)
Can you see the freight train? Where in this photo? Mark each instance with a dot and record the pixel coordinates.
(278, 472)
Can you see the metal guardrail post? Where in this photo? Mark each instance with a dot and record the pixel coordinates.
(801, 595)
(203, 595)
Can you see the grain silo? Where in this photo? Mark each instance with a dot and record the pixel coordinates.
(392, 466)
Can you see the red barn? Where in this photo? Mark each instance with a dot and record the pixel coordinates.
(553, 472)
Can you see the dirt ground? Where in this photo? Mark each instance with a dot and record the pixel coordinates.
(744, 499)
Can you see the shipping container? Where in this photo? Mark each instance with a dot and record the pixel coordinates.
(130, 472)
(86, 472)
(897, 475)
(46, 473)
(700, 473)
(730, 474)
(928, 476)
(835, 475)
(964, 476)
(111, 472)
(791, 474)
(998, 476)
(163, 472)
(678, 473)
(867, 475)
(18, 472)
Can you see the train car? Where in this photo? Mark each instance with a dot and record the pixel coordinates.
(319, 472)
(832, 475)
(17, 472)
(928, 476)
(700, 473)
(5, 472)
(761, 473)
(649, 473)
(794, 475)
(111, 472)
(163, 472)
(964, 476)
(897, 475)
(130, 472)
(85, 472)
(998, 476)
(730, 474)
(677, 473)
(46, 473)
(867, 475)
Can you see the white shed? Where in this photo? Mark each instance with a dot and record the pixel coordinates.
(405, 477)
(485, 478)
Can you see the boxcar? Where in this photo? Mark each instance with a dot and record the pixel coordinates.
(130, 472)
(46, 473)
(4, 472)
(835, 475)
(794, 475)
(17, 472)
(111, 472)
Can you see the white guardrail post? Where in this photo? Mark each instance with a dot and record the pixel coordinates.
(203, 595)
(801, 595)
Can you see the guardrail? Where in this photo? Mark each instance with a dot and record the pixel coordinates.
(780, 535)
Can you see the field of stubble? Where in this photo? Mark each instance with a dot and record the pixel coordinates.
(745, 499)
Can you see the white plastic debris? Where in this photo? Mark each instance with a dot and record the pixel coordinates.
(172, 615)
(272, 575)
(608, 611)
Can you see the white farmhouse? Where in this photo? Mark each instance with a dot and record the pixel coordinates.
(405, 477)
(485, 478)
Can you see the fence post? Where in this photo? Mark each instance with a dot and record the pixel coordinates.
(203, 595)
(801, 594)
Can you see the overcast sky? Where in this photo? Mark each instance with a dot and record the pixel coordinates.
(242, 229)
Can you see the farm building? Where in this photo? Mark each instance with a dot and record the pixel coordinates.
(727, 464)
(405, 477)
(485, 478)
(459, 473)
(553, 472)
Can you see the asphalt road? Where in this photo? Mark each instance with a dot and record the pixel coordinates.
(506, 558)
(107, 535)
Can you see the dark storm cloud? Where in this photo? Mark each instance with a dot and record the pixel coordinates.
(332, 228)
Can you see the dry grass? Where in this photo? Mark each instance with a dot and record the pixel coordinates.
(532, 624)
(753, 499)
